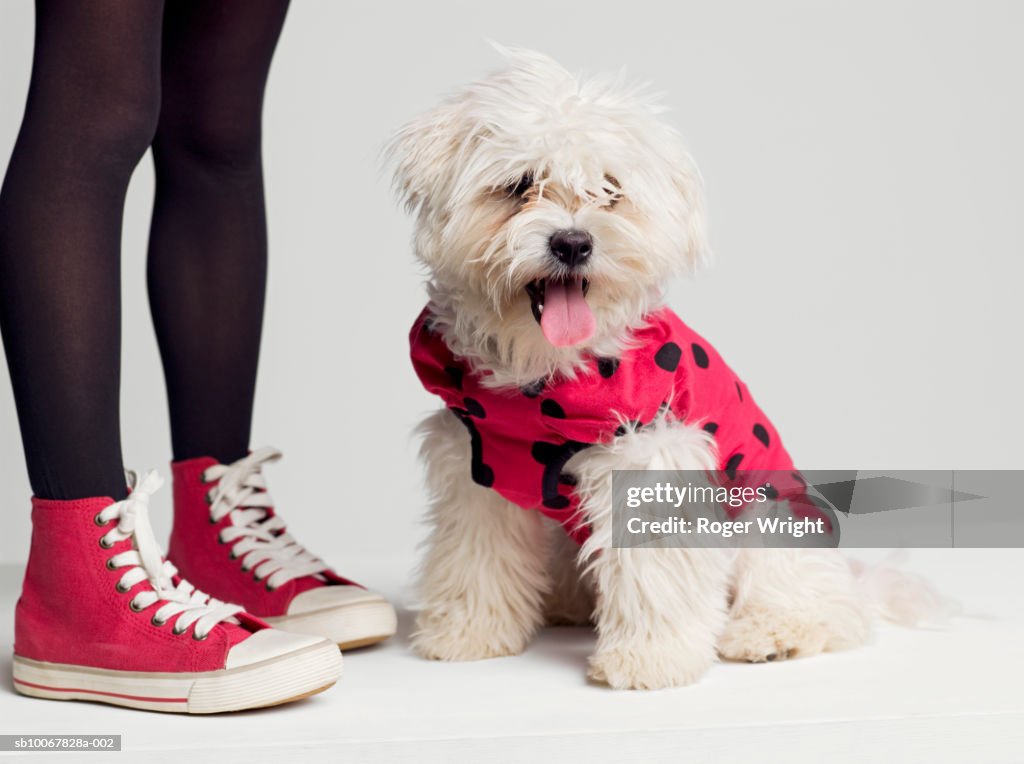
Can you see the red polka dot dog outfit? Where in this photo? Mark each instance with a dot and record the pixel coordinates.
(522, 438)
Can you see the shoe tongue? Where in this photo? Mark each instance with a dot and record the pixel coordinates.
(567, 319)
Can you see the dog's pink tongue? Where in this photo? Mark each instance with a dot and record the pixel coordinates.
(566, 319)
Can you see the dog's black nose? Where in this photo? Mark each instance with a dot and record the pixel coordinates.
(571, 246)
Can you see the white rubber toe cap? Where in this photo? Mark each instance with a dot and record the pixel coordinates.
(325, 597)
(268, 644)
(349, 616)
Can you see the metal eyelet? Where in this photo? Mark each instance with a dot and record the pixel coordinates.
(209, 500)
(197, 638)
(158, 622)
(232, 554)
(271, 588)
(135, 607)
(105, 543)
(99, 520)
(177, 632)
(122, 588)
(220, 539)
(110, 564)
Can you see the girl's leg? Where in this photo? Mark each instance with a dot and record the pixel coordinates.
(208, 261)
(92, 109)
(100, 616)
(208, 245)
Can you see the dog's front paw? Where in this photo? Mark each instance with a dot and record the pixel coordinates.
(757, 636)
(648, 666)
(460, 637)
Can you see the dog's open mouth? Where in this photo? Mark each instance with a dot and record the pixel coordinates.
(560, 307)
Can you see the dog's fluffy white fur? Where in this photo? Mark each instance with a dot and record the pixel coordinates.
(491, 174)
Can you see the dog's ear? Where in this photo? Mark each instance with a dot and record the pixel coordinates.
(687, 181)
(421, 156)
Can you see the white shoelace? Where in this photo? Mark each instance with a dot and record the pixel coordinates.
(145, 563)
(262, 543)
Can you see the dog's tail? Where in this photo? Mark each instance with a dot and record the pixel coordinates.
(900, 597)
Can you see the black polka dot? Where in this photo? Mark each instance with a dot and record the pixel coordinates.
(739, 391)
(549, 407)
(700, 356)
(607, 366)
(770, 492)
(533, 389)
(557, 502)
(554, 457)
(482, 475)
(711, 427)
(668, 356)
(455, 375)
(762, 434)
(473, 408)
(732, 465)
(545, 453)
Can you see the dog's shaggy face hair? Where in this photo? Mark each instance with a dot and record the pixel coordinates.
(501, 166)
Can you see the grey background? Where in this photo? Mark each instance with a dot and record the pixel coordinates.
(864, 171)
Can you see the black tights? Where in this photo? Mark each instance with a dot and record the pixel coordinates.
(111, 78)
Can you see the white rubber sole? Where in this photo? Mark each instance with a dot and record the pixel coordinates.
(357, 624)
(271, 682)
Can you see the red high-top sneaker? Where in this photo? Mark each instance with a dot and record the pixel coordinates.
(103, 617)
(228, 539)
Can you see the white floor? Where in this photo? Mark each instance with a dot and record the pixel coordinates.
(949, 695)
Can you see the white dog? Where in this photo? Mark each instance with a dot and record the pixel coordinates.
(550, 213)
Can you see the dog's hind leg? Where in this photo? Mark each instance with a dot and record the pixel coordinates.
(484, 578)
(659, 611)
(793, 602)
